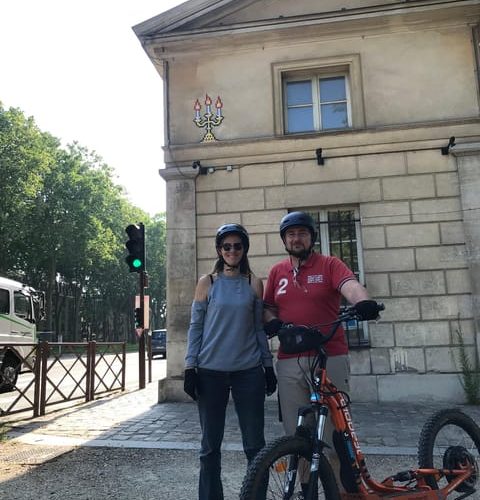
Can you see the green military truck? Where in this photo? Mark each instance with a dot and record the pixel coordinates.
(21, 307)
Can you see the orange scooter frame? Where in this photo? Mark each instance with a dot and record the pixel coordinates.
(369, 489)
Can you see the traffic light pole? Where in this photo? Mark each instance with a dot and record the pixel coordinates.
(141, 340)
(136, 262)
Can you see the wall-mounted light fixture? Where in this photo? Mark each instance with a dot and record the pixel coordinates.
(320, 159)
(446, 149)
(196, 165)
(201, 170)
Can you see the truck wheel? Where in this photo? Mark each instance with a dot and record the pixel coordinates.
(8, 375)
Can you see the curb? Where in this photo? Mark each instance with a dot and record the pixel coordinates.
(48, 440)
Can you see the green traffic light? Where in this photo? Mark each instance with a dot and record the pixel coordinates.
(136, 247)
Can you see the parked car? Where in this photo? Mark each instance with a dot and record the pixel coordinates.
(159, 343)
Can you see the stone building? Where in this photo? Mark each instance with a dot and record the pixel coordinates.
(363, 113)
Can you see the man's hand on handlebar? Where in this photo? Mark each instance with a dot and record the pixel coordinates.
(364, 310)
(272, 327)
(367, 309)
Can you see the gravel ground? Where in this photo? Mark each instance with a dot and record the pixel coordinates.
(107, 473)
(124, 474)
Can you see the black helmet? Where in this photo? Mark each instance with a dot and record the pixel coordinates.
(297, 219)
(227, 229)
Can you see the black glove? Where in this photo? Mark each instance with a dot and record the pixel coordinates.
(270, 381)
(367, 309)
(190, 383)
(271, 327)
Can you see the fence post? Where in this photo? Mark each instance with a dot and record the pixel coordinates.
(44, 352)
(124, 363)
(88, 383)
(94, 360)
(36, 387)
(90, 378)
(149, 352)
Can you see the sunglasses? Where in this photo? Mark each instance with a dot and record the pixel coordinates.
(228, 246)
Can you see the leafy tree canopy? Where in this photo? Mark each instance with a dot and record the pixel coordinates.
(62, 220)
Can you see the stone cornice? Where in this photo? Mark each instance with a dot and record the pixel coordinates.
(164, 44)
(466, 149)
(175, 17)
(174, 173)
(169, 23)
(296, 147)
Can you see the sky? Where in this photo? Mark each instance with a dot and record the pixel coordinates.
(78, 69)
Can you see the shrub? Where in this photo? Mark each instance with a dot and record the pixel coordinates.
(470, 371)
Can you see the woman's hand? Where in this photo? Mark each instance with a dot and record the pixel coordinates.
(270, 381)
(190, 383)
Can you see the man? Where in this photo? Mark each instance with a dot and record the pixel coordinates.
(306, 289)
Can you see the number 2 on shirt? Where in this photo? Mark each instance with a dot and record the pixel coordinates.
(282, 285)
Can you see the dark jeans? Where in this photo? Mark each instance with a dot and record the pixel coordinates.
(248, 392)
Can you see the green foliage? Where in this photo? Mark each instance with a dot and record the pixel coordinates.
(62, 221)
(470, 372)
(26, 157)
(155, 241)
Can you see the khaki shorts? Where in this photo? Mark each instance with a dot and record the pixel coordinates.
(294, 392)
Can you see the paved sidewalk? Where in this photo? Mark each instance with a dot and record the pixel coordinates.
(135, 420)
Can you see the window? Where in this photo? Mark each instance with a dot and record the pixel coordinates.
(318, 95)
(22, 305)
(338, 234)
(4, 301)
(316, 104)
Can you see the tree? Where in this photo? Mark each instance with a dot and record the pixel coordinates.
(26, 156)
(63, 220)
(156, 264)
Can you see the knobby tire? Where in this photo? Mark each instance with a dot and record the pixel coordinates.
(270, 459)
(445, 430)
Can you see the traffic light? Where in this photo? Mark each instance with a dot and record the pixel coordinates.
(136, 247)
(138, 318)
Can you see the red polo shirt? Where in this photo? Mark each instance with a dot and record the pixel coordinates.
(311, 297)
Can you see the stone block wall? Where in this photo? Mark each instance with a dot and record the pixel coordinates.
(414, 254)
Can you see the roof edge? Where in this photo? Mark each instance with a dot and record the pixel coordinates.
(181, 14)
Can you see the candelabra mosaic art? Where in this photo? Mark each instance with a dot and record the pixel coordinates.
(209, 119)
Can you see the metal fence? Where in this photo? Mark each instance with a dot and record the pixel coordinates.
(58, 372)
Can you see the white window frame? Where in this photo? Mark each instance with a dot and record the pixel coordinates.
(346, 65)
(316, 104)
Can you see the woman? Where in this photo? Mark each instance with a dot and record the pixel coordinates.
(227, 351)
